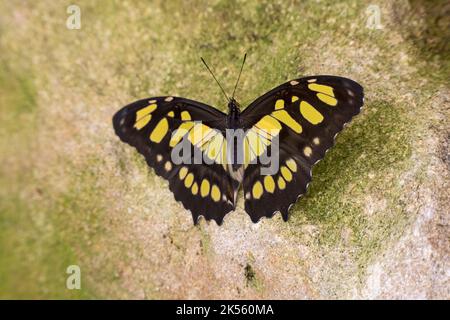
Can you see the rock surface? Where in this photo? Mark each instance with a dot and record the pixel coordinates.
(374, 223)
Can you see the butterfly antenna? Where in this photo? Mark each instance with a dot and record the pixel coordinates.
(239, 77)
(224, 93)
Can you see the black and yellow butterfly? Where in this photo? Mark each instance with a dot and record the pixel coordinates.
(304, 115)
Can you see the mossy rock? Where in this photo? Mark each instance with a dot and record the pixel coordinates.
(373, 224)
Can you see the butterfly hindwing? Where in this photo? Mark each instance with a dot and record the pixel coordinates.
(154, 126)
(266, 194)
(305, 114)
(204, 190)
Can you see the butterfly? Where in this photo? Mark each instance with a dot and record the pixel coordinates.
(294, 123)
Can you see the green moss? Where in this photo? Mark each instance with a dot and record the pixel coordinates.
(205, 242)
(252, 278)
(250, 274)
(79, 215)
(430, 38)
(33, 257)
(267, 31)
(362, 164)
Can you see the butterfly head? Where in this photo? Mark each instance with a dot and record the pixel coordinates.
(233, 105)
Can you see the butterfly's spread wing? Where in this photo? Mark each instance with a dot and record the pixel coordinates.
(156, 126)
(305, 115)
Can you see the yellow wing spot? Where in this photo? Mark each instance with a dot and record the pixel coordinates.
(307, 151)
(265, 135)
(194, 188)
(284, 117)
(257, 190)
(247, 152)
(185, 116)
(294, 83)
(199, 133)
(215, 193)
(160, 131)
(182, 173)
(145, 111)
(159, 158)
(294, 98)
(316, 141)
(260, 136)
(142, 122)
(182, 130)
(281, 183)
(321, 88)
(215, 147)
(268, 123)
(286, 173)
(222, 158)
(143, 116)
(292, 165)
(189, 180)
(257, 146)
(310, 113)
(279, 104)
(327, 99)
(269, 184)
(168, 166)
(268, 127)
(168, 99)
(207, 139)
(204, 188)
(171, 114)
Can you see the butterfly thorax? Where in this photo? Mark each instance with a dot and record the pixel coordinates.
(233, 114)
(233, 122)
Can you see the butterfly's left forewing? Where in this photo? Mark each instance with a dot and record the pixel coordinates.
(156, 126)
(304, 115)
